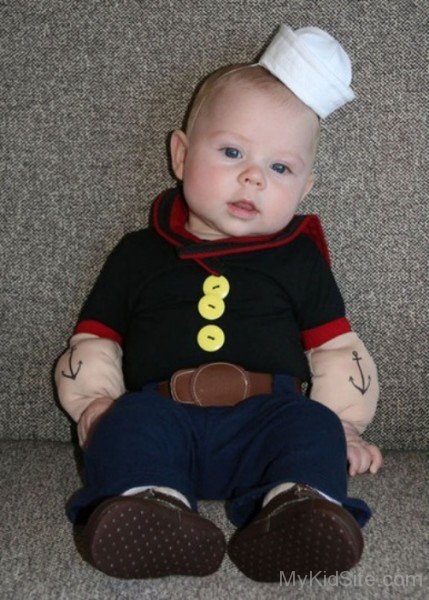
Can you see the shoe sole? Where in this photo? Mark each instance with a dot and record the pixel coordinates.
(131, 538)
(316, 538)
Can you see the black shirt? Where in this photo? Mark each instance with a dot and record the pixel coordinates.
(148, 291)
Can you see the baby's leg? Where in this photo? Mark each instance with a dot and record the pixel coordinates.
(144, 441)
(299, 530)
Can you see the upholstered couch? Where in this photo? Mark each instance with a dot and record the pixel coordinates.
(89, 93)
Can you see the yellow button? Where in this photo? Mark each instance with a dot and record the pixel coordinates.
(211, 307)
(216, 285)
(210, 338)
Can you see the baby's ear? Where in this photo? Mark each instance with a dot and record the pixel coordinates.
(178, 151)
(308, 185)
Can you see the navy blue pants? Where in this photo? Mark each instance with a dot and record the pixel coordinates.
(235, 453)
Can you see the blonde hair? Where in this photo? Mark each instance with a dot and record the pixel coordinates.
(239, 73)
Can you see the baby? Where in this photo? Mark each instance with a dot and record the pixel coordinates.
(185, 368)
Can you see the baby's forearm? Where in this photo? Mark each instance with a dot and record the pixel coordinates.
(344, 378)
(91, 368)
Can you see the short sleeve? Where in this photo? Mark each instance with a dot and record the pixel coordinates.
(319, 304)
(106, 309)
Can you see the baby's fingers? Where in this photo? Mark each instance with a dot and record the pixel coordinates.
(356, 460)
(82, 432)
(363, 457)
(376, 458)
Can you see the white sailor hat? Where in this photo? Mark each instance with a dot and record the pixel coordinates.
(312, 64)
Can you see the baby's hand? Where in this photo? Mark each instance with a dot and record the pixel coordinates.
(90, 416)
(361, 455)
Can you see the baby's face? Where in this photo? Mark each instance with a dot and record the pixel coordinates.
(246, 164)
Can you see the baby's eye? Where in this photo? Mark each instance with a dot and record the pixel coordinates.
(280, 168)
(232, 152)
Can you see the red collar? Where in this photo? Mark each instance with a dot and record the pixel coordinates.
(170, 213)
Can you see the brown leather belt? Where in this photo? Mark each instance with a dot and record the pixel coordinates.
(217, 384)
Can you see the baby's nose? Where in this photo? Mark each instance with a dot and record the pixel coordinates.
(252, 176)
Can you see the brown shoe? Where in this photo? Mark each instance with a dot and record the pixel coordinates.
(297, 533)
(151, 534)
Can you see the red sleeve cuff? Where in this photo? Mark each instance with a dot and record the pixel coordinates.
(316, 336)
(99, 329)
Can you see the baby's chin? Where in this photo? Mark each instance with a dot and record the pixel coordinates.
(234, 227)
(250, 233)
(262, 231)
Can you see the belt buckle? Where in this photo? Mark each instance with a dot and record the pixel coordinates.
(213, 384)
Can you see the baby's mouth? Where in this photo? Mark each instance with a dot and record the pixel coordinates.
(244, 209)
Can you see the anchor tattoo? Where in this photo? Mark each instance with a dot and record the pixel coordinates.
(72, 374)
(364, 388)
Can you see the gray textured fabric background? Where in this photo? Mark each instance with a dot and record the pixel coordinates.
(89, 92)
